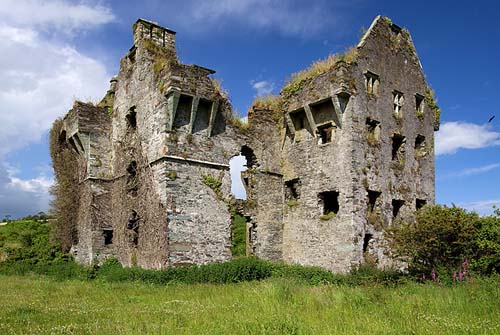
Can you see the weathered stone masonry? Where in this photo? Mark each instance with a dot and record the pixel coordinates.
(343, 153)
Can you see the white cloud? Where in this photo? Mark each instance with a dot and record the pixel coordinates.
(289, 17)
(62, 15)
(453, 136)
(475, 171)
(482, 207)
(263, 87)
(40, 76)
(38, 82)
(21, 197)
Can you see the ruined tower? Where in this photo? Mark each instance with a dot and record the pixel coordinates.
(345, 151)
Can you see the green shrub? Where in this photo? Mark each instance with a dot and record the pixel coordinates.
(444, 237)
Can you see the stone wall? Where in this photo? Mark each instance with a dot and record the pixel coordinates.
(324, 177)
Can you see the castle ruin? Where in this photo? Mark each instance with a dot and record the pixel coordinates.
(344, 151)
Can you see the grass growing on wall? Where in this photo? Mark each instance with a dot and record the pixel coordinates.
(33, 305)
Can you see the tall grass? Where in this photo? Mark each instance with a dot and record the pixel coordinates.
(38, 305)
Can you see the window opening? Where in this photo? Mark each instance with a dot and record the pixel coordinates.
(183, 112)
(108, 236)
(398, 101)
(372, 199)
(396, 207)
(398, 142)
(373, 131)
(343, 101)
(419, 142)
(366, 241)
(325, 133)
(292, 189)
(330, 200)
(420, 203)
(131, 118)
(395, 29)
(419, 105)
(299, 119)
(372, 82)
(202, 119)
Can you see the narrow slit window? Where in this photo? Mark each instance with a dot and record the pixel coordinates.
(396, 207)
(419, 105)
(398, 101)
(372, 82)
(366, 241)
(131, 118)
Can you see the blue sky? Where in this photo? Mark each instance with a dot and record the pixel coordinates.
(55, 51)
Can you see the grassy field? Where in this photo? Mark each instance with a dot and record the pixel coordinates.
(40, 305)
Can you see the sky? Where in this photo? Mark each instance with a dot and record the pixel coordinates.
(55, 51)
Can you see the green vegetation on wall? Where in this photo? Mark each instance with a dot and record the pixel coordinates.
(65, 190)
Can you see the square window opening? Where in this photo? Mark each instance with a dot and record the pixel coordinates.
(323, 111)
(330, 202)
(299, 119)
